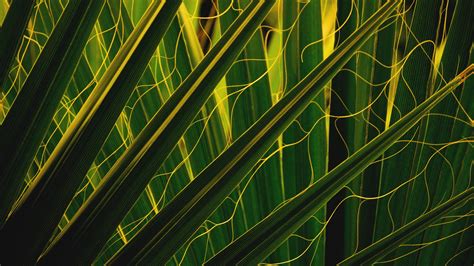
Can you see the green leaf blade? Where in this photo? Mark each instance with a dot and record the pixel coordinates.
(275, 228)
(386, 245)
(121, 187)
(11, 33)
(200, 198)
(248, 84)
(411, 90)
(302, 51)
(66, 168)
(35, 105)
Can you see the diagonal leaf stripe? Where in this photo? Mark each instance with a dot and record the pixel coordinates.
(248, 84)
(387, 244)
(181, 217)
(440, 130)
(94, 223)
(11, 33)
(39, 97)
(27, 227)
(301, 165)
(263, 238)
(232, 150)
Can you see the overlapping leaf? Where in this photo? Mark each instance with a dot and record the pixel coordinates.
(32, 112)
(188, 210)
(259, 241)
(126, 180)
(387, 244)
(27, 228)
(11, 33)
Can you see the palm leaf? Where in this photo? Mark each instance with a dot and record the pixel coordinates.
(181, 217)
(248, 84)
(303, 50)
(11, 33)
(73, 156)
(244, 142)
(420, 156)
(386, 245)
(443, 129)
(94, 222)
(412, 89)
(36, 103)
(259, 241)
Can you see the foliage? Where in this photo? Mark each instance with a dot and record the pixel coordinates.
(236, 132)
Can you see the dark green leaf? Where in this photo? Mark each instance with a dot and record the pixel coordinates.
(31, 114)
(92, 226)
(181, 217)
(11, 33)
(248, 84)
(259, 241)
(387, 244)
(302, 165)
(27, 227)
